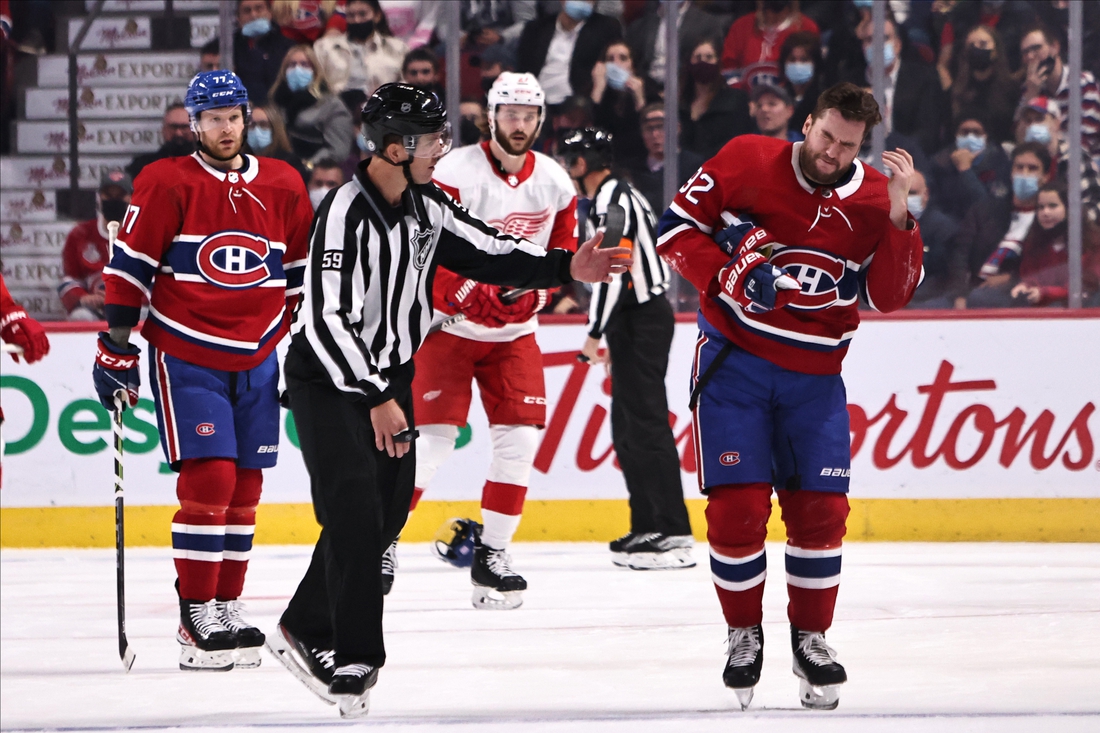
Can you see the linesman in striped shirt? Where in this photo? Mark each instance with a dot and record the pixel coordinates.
(635, 317)
(367, 306)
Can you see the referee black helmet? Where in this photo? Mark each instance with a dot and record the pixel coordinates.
(404, 111)
(591, 143)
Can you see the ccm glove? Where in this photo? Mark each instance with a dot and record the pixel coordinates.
(116, 370)
(742, 236)
(23, 331)
(756, 285)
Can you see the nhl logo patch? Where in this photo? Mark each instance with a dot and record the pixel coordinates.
(233, 177)
(422, 246)
(405, 106)
(513, 181)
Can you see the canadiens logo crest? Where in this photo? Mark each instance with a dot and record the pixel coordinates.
(825, 278)
(422, 246)
(730, 458)
(234, 260)
(204, 428)
(523, 224)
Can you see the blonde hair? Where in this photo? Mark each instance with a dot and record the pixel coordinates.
(318, 87)
(279, 139)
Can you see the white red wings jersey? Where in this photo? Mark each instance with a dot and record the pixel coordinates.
(838, 242)
(539, 204)
(218, 255)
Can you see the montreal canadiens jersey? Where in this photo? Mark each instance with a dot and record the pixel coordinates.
(837, 242)
(539, 204)
(218, 254)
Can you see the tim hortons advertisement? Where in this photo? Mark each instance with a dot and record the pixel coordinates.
(939, 409)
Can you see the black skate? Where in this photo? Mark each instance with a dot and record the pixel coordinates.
(746, 657)
(389, 566)
(654, 551)
(351, 685)
(817, 669)
(616, 546)
(312, 666)
(496, 585)
(205, 642)
(249, 638)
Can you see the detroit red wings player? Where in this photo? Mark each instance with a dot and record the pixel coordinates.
(527, 194)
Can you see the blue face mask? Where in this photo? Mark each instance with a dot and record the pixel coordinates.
(298, 78)
(799, 72)
(259, 138)
(577, 9)
(1037, 133)
(1025, 188)
(361, 142)
(256, 28)
(973, 143)
(617, 77)
(864, 4)
(888, 55)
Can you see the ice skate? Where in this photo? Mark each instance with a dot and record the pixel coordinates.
(655, 551)
(351, 685)
(249, 638)
(496, 585)
(205, 642)
(389, 567)
(616, 546)
(820, 675)
(746, 656)
(313, 667)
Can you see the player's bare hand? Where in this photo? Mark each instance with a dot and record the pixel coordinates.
(900, 164)
(388, 419)
(591, 264)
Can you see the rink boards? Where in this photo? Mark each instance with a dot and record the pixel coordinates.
(971, 429)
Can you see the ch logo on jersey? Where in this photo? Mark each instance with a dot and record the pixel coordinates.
(823, 277)
(730, 458)
(234, 260)
(827, 212)
(204, 429)
(523, 224)
(422, 246)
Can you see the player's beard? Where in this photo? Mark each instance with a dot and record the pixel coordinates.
(221, 156)
(809, 169)
(510, 147)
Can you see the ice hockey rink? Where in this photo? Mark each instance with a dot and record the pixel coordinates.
(943, 637)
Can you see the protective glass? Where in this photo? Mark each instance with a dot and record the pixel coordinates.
(517, 115)
(431, 144)
(222, 118)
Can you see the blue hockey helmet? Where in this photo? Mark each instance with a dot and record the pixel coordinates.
(214, 89)
(454, 542)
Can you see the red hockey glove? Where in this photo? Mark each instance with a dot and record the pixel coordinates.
(478, 302)
(742, 235)
(756, 285)
(522, 308)
(23, 331)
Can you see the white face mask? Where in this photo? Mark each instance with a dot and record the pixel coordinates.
(317, 195)
(915, 204)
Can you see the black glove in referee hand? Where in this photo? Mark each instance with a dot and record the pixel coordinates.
(593, 264)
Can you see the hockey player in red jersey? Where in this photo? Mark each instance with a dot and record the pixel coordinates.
(24, 334)
(217, 243)
(526, 194)
(781, 240)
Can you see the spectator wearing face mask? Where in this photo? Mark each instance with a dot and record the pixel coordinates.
(996, 226)
(1037, 121)
(711, 112)
(175, 130)
(618, 95)
(646, 36)
(937, 230)
(86, 250)
(772, 109)
(365, 57)
(969, 170)
(750, 54)
(267, 137)
(258, 49)
(801, 66)
(1046, 74)
(984, 85)
(317, 122)
(326, 176)
(1037, 274)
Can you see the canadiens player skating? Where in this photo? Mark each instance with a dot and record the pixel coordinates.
(376, 243)
(528, 195)
(216, 241)
(781, 240)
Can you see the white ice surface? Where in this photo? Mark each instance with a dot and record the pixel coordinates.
(935, 637)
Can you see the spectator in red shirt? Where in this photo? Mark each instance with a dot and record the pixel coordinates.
(751, 50)
(86, 250)
(304, 21)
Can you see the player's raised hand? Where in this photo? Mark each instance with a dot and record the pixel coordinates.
(593, 264)
(900, 164)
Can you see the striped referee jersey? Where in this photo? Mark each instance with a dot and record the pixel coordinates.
(649, 275)
(367, 299)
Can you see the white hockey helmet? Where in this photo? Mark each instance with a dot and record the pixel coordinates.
(513, 88)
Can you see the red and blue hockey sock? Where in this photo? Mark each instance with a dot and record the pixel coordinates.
(204, 488)
(815, 523)
(737, 525)
(240, 525)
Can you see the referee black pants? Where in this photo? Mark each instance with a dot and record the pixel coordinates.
(639, 338)
(361, 500)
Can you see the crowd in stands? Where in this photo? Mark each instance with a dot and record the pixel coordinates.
(976, 90)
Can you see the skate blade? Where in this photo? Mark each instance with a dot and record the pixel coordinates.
(286, 657)
(488, 599)
(193, 659)
(818, 697)
(677, 559)
(744, 696)
(354, 706)
(248, 657)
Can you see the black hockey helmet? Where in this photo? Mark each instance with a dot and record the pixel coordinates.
(415, 115)
(591, 143)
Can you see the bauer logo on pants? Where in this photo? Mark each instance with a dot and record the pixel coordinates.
(204, 428)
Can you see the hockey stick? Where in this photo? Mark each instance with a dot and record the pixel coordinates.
(12, 349)
(509, 297)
